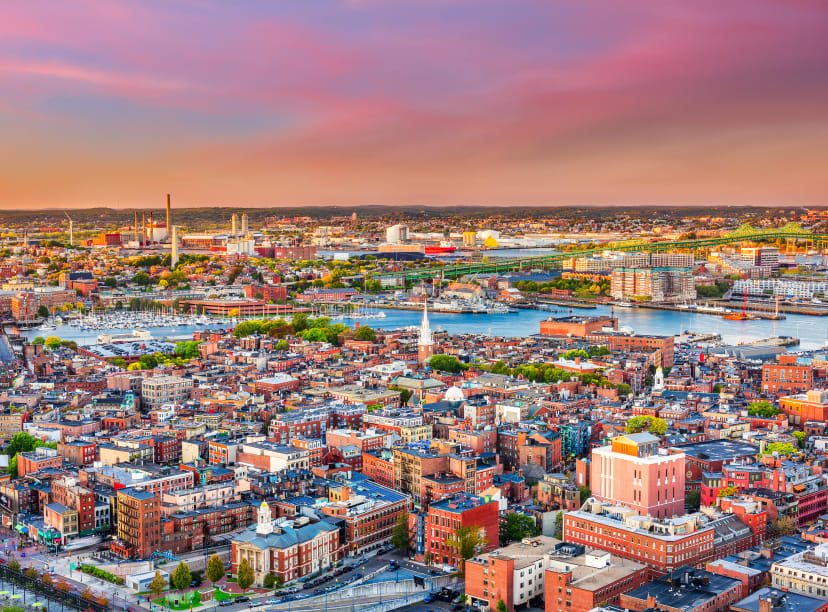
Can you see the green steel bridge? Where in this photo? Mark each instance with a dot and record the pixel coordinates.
(790, 233)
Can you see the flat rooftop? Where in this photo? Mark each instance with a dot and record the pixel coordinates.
(717, 450)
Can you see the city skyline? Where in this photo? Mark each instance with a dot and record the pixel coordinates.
(413, 103)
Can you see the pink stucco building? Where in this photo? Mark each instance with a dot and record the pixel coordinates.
(633, 472)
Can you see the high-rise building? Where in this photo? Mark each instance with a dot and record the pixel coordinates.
(396, 234)
(635, 473)
(654, 284)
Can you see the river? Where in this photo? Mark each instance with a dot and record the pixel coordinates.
(810, 330)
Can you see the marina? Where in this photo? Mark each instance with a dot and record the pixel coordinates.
(526, 322)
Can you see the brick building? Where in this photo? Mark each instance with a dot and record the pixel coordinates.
(432, 529)
(139, 521)
(786, 376)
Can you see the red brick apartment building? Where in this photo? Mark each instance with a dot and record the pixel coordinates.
(662, 346)
(78, 452)
(786, 377)
(576, 326)
(38, 459)
(379, 467)
(661, 545)
(431, 530)
(139, 522)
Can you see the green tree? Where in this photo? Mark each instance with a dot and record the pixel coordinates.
(215, 569)
(42, 311)
(446, 363)
(13, 466)
(52, 342)
(14, 564)
(110, 282)
(299, 322)
(314, 334)
(693, 499)
(181, 577)
(784, 449)
(142, 278)
(762, 409)
(269, 580)
(585, 493)
(365, 333)
(559, 525)
(39, 340)
(518, 526)
(157, 585)
(399, 534)
(656, 426)
(501, 606)
(727, 492)
(799, 436)
(783, 526)
(245, 576)
(466, 541)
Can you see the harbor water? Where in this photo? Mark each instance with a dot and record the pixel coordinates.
(810, 330)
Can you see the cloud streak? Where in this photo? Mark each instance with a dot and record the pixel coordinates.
(406, 101)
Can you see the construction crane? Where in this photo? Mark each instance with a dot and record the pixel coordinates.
(71, 228)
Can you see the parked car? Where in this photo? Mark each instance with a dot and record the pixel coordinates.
(242, 599)
(226, 602)
(429, 598)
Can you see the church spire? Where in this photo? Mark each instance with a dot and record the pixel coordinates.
(425, 346)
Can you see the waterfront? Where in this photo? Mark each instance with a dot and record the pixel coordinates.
(810, 330)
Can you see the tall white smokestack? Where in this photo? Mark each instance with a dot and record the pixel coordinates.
(174, 250)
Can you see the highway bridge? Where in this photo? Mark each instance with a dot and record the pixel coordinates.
(790, 233)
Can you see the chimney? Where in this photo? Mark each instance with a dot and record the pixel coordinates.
(765, 604)
(651, 603)
(168, 215)
(174, 251)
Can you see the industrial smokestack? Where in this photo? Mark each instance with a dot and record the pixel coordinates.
(135, 227)
(143, 227)
(174, 251)
(168, 214)
(243, 224)
(234, 223)
(150, 227)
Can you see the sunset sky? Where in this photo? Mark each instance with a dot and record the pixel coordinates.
(436, 102)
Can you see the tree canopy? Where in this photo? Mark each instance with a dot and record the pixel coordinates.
(518, 526)
(466, 541)
(245, 576)
(762, 409)
(215, 569)
(181, 577)
(446, 363)
(655, 425)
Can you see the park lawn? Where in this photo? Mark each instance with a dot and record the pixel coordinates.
(183, 605)
(221, 595)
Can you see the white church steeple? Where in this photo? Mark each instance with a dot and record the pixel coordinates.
(425, 345)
